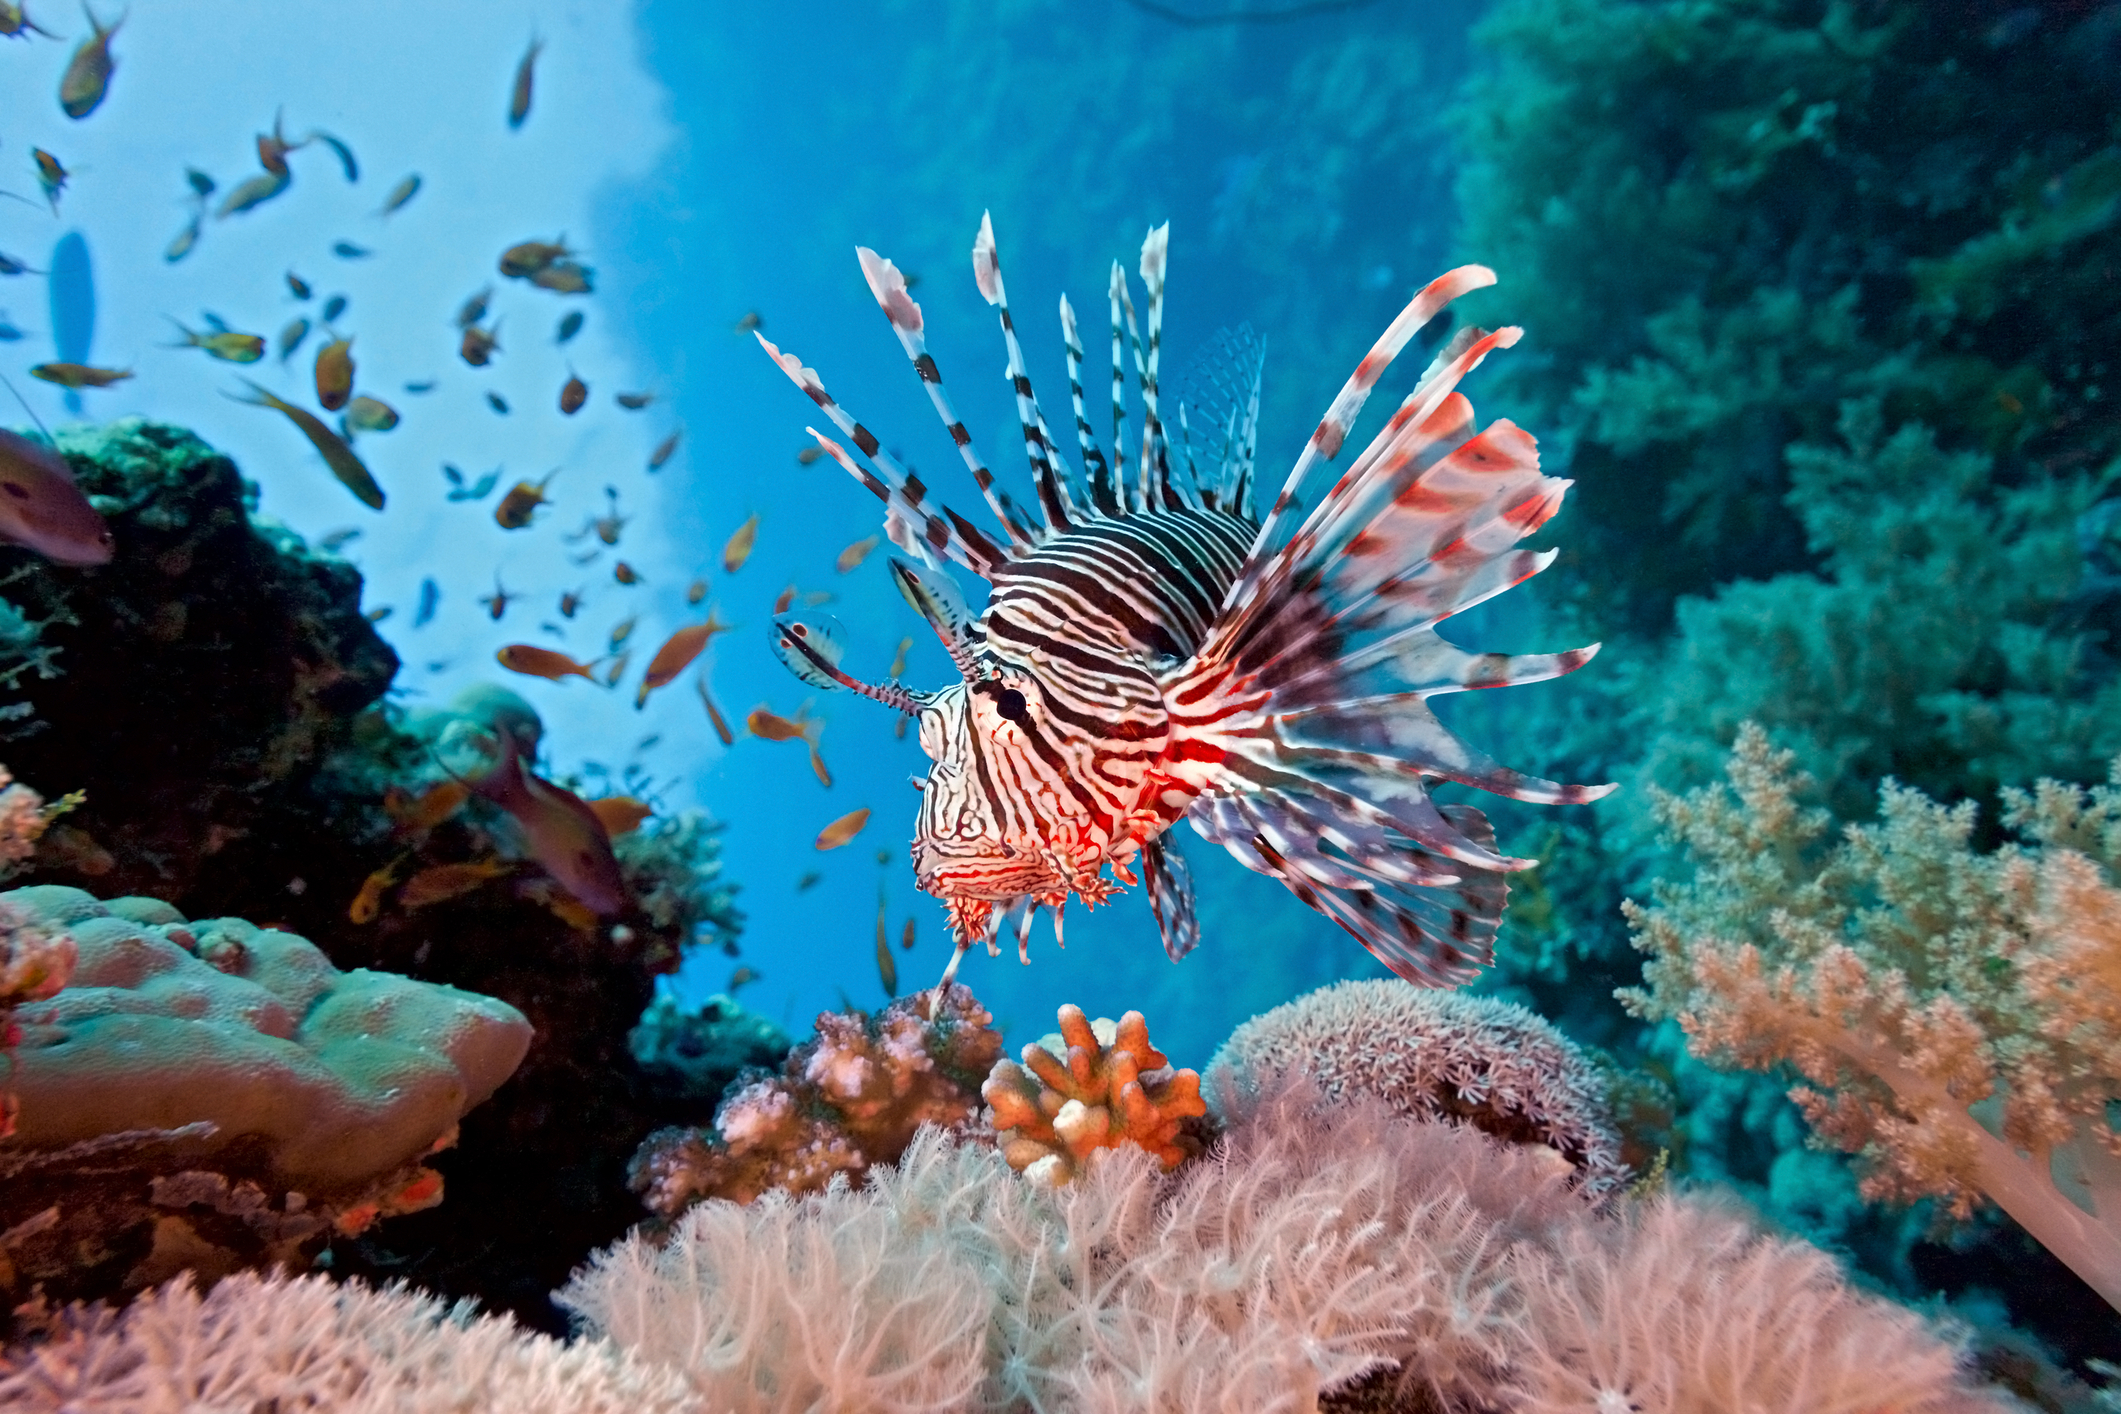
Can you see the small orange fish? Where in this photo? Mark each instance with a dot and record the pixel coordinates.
(886, 965)
(573, 393)
(696, 591)
(740, 544)
(474, 309)
(570, 602)
(479, 345)
(438, 883)
(785, 598)
(79, 375)
(348, 467)
(739, 978)
(565, 836)
(514, 511)
(87, 74)
(898, 660)
(497, 602)
(843, 829)
(526, 77)
(621, 814)
(532, 661)
(677, 654)
(749, 322)
(664, 450)
(905, 937)
(625, 573)
(634, 402)
(564, 277)
(335, 374)
(770, 725)
(714, 713)
(414, 813)
(854, 554)
(809, 454)
(368, 903)
(818, 596)
(618, 669)
(622, 631)
(526, 258)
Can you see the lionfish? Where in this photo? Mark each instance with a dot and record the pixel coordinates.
(1152, 650)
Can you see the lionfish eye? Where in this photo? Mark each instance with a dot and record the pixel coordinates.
(1010, 703)
(16, 489)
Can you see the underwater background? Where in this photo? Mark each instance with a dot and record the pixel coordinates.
(1819, 304)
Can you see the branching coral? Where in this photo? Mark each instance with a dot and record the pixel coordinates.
(1438, 1055)
(850, 1097)
(1094, 1086)
(1321, 1246)
(1955, 1014)
(275, 1343)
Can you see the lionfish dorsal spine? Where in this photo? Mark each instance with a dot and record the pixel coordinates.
(1131, 500)
(1103, 494)
(1049, 476)
(888, 285)
(907, 515)
(1332, 429)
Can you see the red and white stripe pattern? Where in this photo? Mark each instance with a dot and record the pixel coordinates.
(1149, 652)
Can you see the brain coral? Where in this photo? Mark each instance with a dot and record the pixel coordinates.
(1437, 1055)
(190, 1070)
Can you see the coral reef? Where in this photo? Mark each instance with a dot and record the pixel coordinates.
(1095, 1085)
(263, 779)
(695, 1053)
(1437, 1056)
(1957, 1016)
(277, 1343)
(209, 1095)
(1329, 1250)
(851, 1097)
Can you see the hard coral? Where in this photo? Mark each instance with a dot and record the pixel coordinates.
(1094, 1086)
(851, 1097)
(1438, 1055)
(212, 1095)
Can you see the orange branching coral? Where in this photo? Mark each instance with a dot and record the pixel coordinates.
(1107, 1086)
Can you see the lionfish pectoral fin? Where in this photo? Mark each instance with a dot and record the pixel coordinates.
(936, 599)
(812, 651)
(1171, 895)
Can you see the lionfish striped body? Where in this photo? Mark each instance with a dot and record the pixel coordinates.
(1150, 651)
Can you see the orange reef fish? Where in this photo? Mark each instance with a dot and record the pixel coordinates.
(292, 336)
(743, 976)
(620, 814)
(677, 654)
(526, 258)
(15, 21)
(771, 726)
(809, 455)
(714, 713)
(79, 375)
(44, 510)
(696, 591)
(854, 554)
(886, 965)
(573, 393)
(497, 602)
(625, 573)
(403, 192)
(87, 74)
(438, 883)
(368, 900)
(366, 414)
(1282, 708)
(898, 659)
(622, 631)
(905, 939)
(479, 345)
(843, 829)
(750, 322)
(514, 510)
(664, 450)
(564, 277)
(783, 600)
(353, 474)
(565, 836)
(739, 547)
(532, 661)
(51, 176)
(335, 374)
(519, 93)
(474, 309)
(570, 603)
(224, 344)
(414, 813)
(617, 670)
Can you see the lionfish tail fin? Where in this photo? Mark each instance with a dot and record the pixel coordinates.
(1303, 720)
